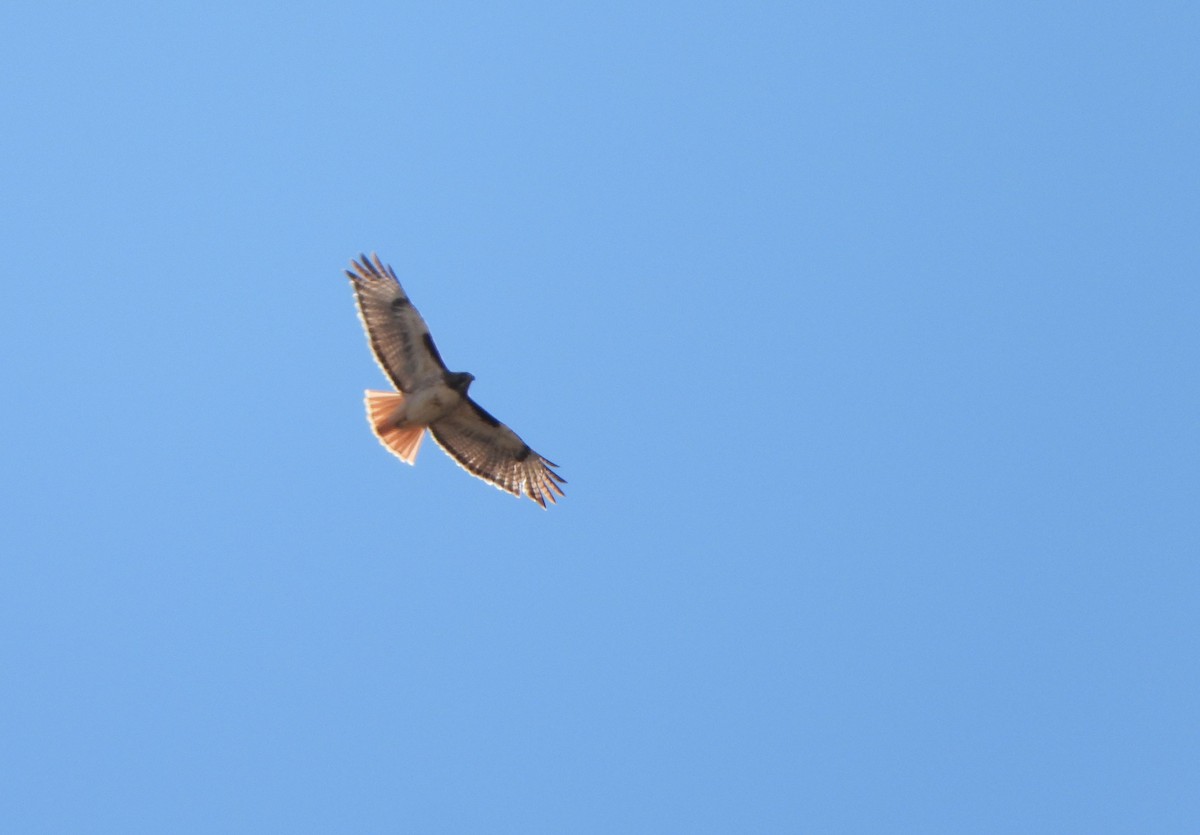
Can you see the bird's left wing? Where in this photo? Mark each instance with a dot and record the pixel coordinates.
(398, 335)
(487, 449)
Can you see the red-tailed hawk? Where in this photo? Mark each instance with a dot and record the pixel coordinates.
(431, 397)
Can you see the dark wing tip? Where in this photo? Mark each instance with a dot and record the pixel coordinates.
(549, 465)
(368, 268)
(383, 270)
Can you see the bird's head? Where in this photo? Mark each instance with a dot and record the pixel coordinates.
(460, 381)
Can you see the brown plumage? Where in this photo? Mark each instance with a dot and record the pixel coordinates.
(430, 396)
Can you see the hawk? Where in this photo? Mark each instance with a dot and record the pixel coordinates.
(432, 397)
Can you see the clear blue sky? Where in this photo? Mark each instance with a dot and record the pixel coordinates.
(865, 333)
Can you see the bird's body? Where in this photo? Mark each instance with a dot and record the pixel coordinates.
(432, 397)
(426, 405)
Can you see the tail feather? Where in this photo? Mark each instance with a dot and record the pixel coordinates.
(383, 410)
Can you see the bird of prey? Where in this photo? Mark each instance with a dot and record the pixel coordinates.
(434, 398)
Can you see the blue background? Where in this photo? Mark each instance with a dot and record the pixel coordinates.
(865, 333)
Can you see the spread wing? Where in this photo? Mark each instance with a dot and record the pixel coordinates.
(486, 448)
(398, 335)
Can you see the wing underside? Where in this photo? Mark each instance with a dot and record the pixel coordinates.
(399, 337)
(487, 449)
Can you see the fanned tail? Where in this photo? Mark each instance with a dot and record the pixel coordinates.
(383, 409)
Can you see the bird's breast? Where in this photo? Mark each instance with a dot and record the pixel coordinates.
(430, 403)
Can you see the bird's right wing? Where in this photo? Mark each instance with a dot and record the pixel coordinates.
(398, 335)
(487, 449)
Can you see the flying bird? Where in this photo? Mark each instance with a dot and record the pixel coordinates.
(432, 397)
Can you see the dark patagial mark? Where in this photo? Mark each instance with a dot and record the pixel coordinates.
(432, 349)
(400, 303)
(483, 414)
